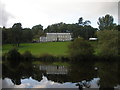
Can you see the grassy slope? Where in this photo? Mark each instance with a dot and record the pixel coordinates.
(37, 49)
(55, 48)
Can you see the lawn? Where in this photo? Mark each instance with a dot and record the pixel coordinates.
(37, 49)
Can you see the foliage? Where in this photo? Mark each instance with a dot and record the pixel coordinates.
(86, 31)
(14, 57)
(13, 54)
(57, 28)
(16, 33)
(106, 22)
(27, 56)
(118, 27)
(80, 49)
(27, 35)
(37, 31)
(80, 22)
(108, 43)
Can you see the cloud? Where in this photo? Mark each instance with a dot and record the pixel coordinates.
(45, 12)
(5, 15)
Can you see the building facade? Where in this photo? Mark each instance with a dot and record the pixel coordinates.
(50, 37)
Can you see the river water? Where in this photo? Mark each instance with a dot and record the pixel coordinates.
(86, 74)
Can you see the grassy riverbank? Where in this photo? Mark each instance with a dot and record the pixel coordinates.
(37, 49)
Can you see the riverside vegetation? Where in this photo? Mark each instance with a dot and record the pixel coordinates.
(17, 42)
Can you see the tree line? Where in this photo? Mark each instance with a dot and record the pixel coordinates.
(16, 34)
(107, 47)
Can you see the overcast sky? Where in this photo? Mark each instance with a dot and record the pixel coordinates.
(47, 12)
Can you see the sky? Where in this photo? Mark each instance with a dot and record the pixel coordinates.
(47, 12)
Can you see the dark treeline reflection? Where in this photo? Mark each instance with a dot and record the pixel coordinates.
(21, 71)
(82, 71)
(108, 72)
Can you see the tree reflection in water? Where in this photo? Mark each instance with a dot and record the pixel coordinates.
(108, 72)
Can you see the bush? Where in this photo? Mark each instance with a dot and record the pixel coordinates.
(27, 55)
(80, 49)
(13, 54)
(14, 57)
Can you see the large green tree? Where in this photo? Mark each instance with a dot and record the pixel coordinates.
(17, 34)
(106, 22)
(108, 44)
(37, 31)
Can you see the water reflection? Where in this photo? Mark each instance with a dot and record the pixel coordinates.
(109, 73)
(31, 76)
(44, 83)
(82, 71)
(54, 69)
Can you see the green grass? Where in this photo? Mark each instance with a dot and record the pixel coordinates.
(37, 49)
(53, 48)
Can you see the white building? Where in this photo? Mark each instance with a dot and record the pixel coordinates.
(56, 37)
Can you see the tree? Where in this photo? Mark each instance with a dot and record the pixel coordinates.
(88, 32)
(37, 28)
(80, 49)
(80, 22)
(57, 28)
(108, 43)
(118, 27)
(106, 22)
(87, 22)
(4, 35)
(27, 35)
(37, 31)
(17, 33)
(83, 31)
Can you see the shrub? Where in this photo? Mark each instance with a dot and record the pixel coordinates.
(80, 49)
(13, 56)
(27, 55)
